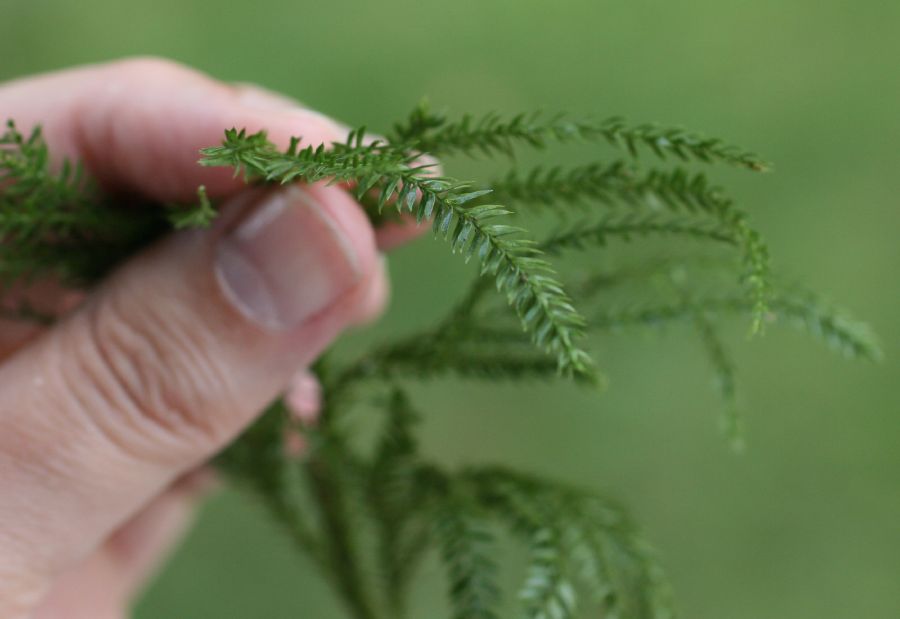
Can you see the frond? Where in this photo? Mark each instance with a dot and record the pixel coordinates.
(619, 182)
(726, 384)
(547, 592)
(642, 273)
(493, 366)
(573, 534)
(629, 226)
(489, 134)
(576, 186)
(394, 498)
(467, 551)
(675, 190)
(527, 281)
(470, 358)
(843, 334)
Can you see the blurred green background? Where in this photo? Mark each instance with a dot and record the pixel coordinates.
(807, 522)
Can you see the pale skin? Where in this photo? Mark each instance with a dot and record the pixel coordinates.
(106, 417)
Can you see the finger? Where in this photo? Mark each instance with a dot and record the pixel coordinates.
(103, 585)
(164, 364)
(138, 124)
(393, 234)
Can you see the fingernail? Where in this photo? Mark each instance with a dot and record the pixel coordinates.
(286, 261)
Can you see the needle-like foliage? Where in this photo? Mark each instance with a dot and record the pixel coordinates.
(427, 131)
(38, 206)
(368, 515)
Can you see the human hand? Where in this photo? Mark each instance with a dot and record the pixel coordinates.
(168, 359)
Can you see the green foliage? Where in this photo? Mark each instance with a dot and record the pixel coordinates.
(199, 215)
(579, 543)
(467, 549)
(433, 133)
(800, 309)
(630, 226)
(393, 495)
(367, 515)
(53, 224)
(711, 212)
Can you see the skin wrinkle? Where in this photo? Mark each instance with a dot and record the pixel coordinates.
(92, 386)
(71, 386)
(135, 368)
(162, 366)
(71, 460)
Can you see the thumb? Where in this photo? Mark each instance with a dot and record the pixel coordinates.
(164, 364)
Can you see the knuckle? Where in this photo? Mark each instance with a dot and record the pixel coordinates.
(144, 379)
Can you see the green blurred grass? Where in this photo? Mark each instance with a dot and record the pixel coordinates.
(805, 523)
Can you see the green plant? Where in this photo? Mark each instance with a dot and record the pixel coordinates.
(584, 553)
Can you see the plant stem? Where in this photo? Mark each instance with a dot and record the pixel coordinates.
(292, 524)
(340, 551)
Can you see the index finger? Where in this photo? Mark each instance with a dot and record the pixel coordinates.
(138, 124)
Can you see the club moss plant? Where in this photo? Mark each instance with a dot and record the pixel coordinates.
(366, 517)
